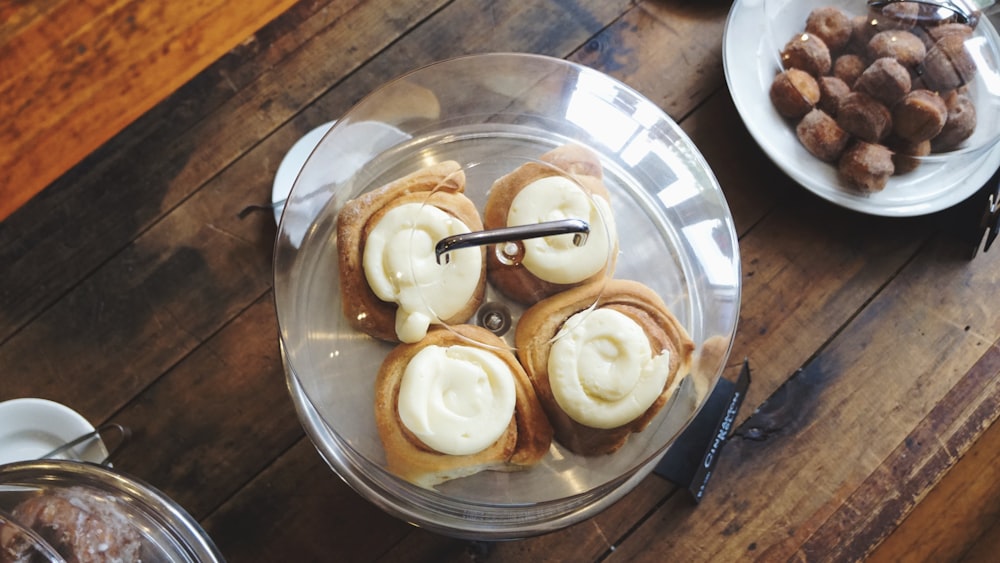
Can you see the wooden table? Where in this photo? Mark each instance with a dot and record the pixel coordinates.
(132, 291)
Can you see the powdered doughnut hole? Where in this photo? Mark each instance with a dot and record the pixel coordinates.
(821, 136)
(866, 166)
(884, 91)
(885, 80)
(902, 15)
(862, 32)
(794, 93)
(948, 65)
(905, 153)
(848, 68)
(832, 91)
(807, 52)
(901, 45)
(959, 126)
(831, 25)
(864, 117)
(919, 116)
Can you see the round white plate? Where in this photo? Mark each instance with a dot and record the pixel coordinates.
(373, 138)
(750, 65)
(291, 164)
(31, 428)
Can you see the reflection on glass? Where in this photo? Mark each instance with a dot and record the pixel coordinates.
(979, 49)
(594, 113)
(719, 269)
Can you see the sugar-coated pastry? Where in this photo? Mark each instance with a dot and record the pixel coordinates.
(902, 15)
(901, 45)
(862, 31)
(455, 404)
(848, 67)
(832, 91)
(959, 126)
(821, 136)
(864, 117)
(919, 116)
(866, 166)
(392, 286)
(886, 80)
(933, 34)
(82, 527)
(794, 93)
(567, 183)
(604, 361)
(807, 52)
(898, 89)
(905, 154)
(948, 65)
(832, 25)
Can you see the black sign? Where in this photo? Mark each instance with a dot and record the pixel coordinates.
(691, 459)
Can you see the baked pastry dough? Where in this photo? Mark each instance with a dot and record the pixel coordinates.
(79, 525)
(457, 394)
(391, 285)
(604, 359)
(567, 183)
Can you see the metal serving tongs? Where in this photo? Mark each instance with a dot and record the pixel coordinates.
(123, 432)
(934, 12)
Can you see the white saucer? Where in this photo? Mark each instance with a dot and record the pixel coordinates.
(369, 138)
(31, 428)
(292, 163)
(750, 65)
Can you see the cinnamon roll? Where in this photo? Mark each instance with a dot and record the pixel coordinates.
(392, 286)
(567, 183)
(455, 404)
(604, 359)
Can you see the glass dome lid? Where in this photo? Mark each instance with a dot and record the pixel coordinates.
(66, 510)
(503, 241)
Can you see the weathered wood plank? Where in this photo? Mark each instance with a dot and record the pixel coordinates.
(30, 29)
(843, 417)
(144, 310)
(753, 186)
(282, 504)
(76, 225)
(218, 417)
(588, 540)
(986, 548)
(680, 37)
(905, 476)
(103, 68)
(955, 514)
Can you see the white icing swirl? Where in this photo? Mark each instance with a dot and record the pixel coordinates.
(602, 370)
(401, 267)
(555, 258)
(458, 399)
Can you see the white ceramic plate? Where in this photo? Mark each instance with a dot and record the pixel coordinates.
(750, 62)
(31, 428)
(290, 165)
(377, 134)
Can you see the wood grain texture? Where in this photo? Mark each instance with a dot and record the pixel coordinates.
(75, 78)
(957, 512)
(848, 433)
(134, 292)
(158, 165)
